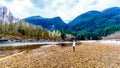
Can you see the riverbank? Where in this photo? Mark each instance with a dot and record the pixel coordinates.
(13, 48)
(21, 38)
(87, 54)
(9, 50)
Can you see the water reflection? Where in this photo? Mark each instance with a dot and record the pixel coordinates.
(63, 45)
(9, 50)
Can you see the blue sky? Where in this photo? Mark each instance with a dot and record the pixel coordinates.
(66, 9)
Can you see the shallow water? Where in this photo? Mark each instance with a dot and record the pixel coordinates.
(24, 43)
(10, 48)
(8, 52)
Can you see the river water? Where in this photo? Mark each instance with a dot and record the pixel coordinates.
(9, 48)
(25, 43)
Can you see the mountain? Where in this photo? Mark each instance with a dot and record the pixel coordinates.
(55, 23)
(89, 25)
(112, 11)
(96, 24)
(5, 15)
(84, 16)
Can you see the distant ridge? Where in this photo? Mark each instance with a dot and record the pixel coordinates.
(96, 24)
(55, 23)
(89, 25)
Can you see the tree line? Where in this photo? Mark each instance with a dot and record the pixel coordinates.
(28, 31)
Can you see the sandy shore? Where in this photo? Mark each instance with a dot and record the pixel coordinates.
(87, 55)
(111, 42)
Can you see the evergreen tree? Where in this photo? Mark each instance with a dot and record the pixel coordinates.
(6, 27)
(63, 35)
(39, 32)
(21, 28)
(46, 34)
(11, 28)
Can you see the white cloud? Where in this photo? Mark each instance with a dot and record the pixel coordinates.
(66, 9)
(18, 7)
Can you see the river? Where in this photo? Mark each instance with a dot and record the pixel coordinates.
(9, 48)
(25, 43)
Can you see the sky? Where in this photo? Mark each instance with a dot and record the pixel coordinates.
(66, 9)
